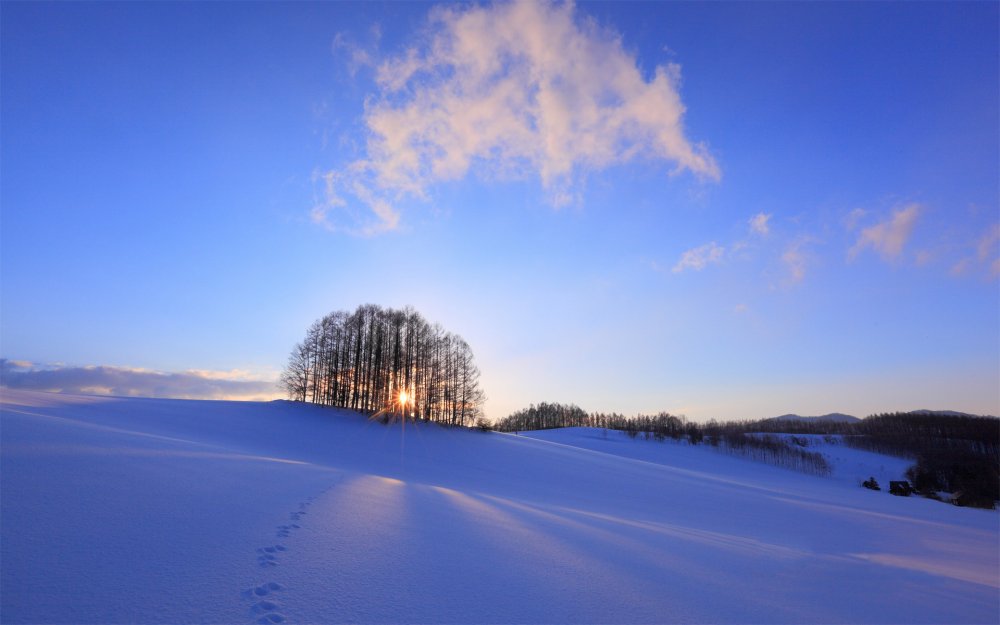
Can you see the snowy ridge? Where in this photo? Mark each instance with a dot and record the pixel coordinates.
(151, 511)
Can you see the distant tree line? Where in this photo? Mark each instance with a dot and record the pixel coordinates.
(953, 453)
(958, 454)
(660, 426)
(788, 453)
(783, 426)
(384, 360)
(547, 416)
(731, 438)
(908, 434)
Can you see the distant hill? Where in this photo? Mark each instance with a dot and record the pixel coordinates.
(835, 417)
(839, 417)
(945, 413)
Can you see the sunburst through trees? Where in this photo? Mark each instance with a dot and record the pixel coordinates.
(380, 359)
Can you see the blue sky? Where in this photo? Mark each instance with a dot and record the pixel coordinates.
(720, 210)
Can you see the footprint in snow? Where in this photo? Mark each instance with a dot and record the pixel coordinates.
(267, 610)
(284, 531)
(266, 555)
(261, 591)
(265, 558)
(263, 607)
(265, 589)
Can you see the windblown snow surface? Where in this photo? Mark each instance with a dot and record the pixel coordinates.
(169, 511)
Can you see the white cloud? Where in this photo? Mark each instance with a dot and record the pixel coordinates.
(132, 382)
(796, 260)
(700, 257)
(986, 247)
(988, 242)
(357, 56)
(759, 224)
(352, 220)
(509, 90)
(888, 237)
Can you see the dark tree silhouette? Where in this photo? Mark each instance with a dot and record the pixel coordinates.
(383, 360)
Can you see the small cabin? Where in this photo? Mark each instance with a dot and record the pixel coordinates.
(902, 489)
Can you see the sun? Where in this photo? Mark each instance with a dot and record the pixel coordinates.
(402, 398)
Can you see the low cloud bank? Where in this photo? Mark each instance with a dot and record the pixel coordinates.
(130, 382)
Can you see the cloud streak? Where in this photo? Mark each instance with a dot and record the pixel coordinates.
(888, 237)
(985, 247)
(700, 257)
(988, 242)
(512, 90)
(759, 224)
(129, 382)
(796, 260)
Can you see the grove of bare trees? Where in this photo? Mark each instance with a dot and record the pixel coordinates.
(380, 359)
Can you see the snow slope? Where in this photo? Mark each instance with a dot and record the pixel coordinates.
(153, 511)
(849, 466)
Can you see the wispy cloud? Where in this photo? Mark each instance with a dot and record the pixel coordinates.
(985, 247)
(988, 242)
(509, 90)
(132, 382)
(796, 260)
(700, 257)
(961, 267)
(888, 237)
(357, 56)
(759, 224)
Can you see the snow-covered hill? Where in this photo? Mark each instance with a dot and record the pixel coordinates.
(849, 466)
(155, 511)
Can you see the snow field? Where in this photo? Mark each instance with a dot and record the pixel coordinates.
(152, 511)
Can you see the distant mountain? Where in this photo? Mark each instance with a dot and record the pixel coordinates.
(944, 413)
(839, 417)
(835, 417)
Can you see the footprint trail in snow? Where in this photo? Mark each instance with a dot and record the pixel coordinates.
(266, 607)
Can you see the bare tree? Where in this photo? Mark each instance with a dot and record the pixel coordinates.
(364, 360)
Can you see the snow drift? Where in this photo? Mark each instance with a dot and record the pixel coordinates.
(152, 511)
